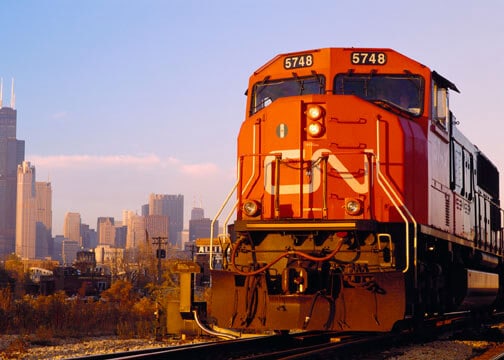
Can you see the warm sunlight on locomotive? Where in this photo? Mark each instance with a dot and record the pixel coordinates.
(346, 180)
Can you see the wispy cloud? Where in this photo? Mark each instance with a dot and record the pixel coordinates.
(199, 170)
(124, 161)
(72, 161)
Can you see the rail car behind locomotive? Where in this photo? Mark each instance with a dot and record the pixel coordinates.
(359, 202)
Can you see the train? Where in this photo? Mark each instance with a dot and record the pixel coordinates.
(359, 203)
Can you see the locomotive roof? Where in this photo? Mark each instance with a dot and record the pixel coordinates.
(441, 80)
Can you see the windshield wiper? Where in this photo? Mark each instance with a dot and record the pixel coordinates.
(320, 80)
(300, 82)
(391, 106)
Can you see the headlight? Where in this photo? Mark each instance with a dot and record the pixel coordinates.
(251, 207)
(314, 112)
(353, 206)
(315, 129)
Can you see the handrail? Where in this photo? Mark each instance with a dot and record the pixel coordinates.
(252, 175)
(210, 262)
(398, 204)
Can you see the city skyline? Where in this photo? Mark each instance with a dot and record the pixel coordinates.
(149, 98)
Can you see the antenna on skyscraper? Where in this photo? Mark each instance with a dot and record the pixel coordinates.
(1, 92)
(13, 96)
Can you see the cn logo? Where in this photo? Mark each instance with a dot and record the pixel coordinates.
(314, 184)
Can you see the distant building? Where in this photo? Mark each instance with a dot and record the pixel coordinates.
(106, 232)
(25, 215)
(72, 227)
(101, 220)
(57, 253)
(33, 215)
(136, 232)
(12, 153)
(121, 232)
(184, 237)
(197, 213)
(89, 237)
(173, 207)
(199, 226)
(109, 257)
(157, 226)
(43, 217)
(85, 261)
(69, 249)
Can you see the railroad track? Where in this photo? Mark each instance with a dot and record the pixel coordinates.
(305, 345)
(294, 346)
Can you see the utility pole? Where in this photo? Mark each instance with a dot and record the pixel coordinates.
(160, 254)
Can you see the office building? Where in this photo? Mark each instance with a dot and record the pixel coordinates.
(173, 207)
(199, 226)
(72, 227)
(157, 227)
(12, 153)
(121, 232)
(43, 217)
(126, 214)
(197, 213)
(110, 256)
(89, 237)
(106, 231)
(69, 250)
(106, 235)
(101, 220)
(25, 214)
(136, 232)
(145, 209)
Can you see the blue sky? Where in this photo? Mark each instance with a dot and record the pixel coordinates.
(118, 99)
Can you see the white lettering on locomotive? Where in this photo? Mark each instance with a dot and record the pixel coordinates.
(315, 181)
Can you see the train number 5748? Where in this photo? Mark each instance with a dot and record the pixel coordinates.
(369, 58)
(293, 62)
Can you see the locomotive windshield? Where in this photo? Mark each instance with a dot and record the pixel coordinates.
(267, 91)
(404, 92)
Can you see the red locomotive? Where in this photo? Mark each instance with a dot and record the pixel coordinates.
(360, 203)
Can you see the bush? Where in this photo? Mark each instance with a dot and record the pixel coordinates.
(121, 312)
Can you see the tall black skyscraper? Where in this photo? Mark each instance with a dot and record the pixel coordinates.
(12, 152)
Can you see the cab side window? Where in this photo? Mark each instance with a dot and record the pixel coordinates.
(440, 109)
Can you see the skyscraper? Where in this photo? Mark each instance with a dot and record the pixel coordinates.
(11, 155)
(72, 227)
(43, 218)
(145, 209)
(173, 207)
(197, 213)
(25, 214)
(199, 226)
(33, 215)
(69, 250)
(156, 226)
(136, 231)
(104, 237)
(106, 234)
